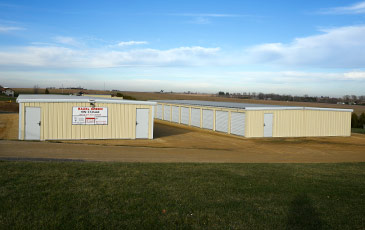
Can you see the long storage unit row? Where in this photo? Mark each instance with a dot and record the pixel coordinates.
(257, 120)
(231, 121)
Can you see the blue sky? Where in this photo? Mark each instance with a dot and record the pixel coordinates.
(287, 47)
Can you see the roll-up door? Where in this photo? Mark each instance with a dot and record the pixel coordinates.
(159, 112)
(175, 114)
(238, 123)
(221, 121)
(167, 112)
(208, 117)
(195, 117)
(185, 115)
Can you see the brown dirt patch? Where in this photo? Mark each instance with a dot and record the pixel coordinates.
(177, 143)
(9, 126)
(6, 106)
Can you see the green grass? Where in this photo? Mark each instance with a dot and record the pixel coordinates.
(358, 130)
(6, 98)
(93, 195)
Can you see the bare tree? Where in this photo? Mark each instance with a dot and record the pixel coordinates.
(36, 89)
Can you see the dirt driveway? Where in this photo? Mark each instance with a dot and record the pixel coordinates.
(184, 144)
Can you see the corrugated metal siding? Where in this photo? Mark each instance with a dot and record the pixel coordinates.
(327, 123)
(300, 123)
(195, 117)
(286, 123)
(57, 122)
(185, 114)
(238, 121)
(159, 112)
(175, 114)
(208, 118)
(167, 113)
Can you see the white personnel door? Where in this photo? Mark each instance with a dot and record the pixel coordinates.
(268, 117)
(142, 123)
(32, 123)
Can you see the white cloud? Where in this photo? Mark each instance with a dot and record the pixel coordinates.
(355, 75)
(5, 29)
(62, 57)
(181, 79)
(66, 41)
(342, 47)
(299, 76)
(357, 8)
(132, 43)
(205, 18)
(200, 20)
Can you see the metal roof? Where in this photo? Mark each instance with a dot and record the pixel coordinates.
(245, 106)
(71, 98)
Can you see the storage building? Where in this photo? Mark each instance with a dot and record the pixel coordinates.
(62, 117)
(256, 120)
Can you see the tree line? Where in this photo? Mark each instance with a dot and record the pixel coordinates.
(347, 99)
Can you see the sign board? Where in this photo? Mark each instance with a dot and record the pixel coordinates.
(89, 116)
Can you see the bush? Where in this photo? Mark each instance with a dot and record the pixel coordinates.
(361, 120)
(126, 96)
(354, 121)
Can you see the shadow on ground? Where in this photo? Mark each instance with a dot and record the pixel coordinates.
(302, 214)
(162, 130)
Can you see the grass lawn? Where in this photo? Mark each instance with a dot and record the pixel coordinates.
(93, 195)
(6, 98)
(358, 130)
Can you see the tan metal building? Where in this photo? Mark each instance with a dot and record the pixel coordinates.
(62, 117)
(256, 120)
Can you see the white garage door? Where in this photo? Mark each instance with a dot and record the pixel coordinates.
(159, 112)
(208, 118)
(185, 115)
(221, 121)
(175, 114)
(167, 112)
(238, 123)
(195, 117)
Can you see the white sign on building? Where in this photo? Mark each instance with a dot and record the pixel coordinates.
(89, 116)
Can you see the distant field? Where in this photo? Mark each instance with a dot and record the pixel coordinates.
(86, 195)
(168, 96)
(207, 97)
